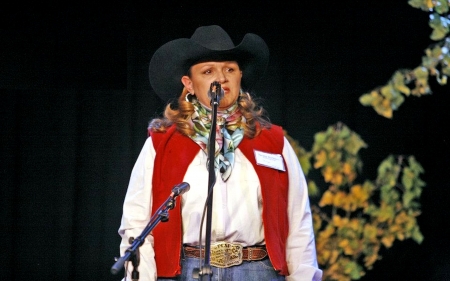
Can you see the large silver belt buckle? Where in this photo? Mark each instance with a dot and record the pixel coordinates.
(225, 254)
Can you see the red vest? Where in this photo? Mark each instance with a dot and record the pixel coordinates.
(174, 153)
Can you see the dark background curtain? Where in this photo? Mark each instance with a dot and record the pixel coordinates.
(76, 101)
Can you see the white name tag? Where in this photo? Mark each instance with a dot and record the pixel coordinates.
(270, 160)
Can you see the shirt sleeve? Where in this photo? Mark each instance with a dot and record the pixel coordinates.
(300, 247)
(136, 213)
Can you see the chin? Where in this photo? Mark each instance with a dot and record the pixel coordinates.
(224, 106)
(225, 103)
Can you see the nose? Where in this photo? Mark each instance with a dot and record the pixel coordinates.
(222, 78)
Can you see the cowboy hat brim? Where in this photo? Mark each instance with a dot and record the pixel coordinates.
(172, 61)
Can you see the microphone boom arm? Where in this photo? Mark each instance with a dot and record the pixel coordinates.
(161, 215)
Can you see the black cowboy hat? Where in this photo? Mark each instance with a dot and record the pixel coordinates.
(208, 43)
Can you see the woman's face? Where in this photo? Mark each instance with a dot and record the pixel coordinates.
(227, 73)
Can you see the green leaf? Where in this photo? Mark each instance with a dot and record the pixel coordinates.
(417, 235)
(354, 270)
(419, 4)
(440, 26)
(388, 91)
(420, 72)
(344, 132)
(366, 99)
(399, 83)
(441, 6)
(355, 144)
(442, 80)
(438, 33)
(407, 178)
(313, 190)
(408, 197)
(385, 166)
(305, 163)
(397, 101)
(320, 137)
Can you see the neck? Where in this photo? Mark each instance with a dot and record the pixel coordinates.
(228, 110)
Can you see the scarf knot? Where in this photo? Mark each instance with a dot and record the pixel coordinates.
(229, 133)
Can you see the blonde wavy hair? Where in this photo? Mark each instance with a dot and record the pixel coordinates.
(254, 114)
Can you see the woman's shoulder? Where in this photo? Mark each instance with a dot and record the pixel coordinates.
(268, 138)
(273, 129)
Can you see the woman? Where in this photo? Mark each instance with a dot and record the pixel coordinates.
(261, 214)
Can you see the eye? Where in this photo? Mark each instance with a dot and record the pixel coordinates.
(230, 69)
(208, 71)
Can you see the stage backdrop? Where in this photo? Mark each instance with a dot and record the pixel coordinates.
(76, 101)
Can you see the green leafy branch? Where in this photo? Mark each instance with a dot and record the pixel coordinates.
(353, 221)
(436, 62)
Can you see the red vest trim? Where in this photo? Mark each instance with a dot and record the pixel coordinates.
(171, 163)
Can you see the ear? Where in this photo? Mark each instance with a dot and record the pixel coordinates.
(187, 83)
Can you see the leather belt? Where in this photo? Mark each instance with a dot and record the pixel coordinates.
(225, 254)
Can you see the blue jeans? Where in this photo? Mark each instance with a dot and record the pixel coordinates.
(249, 271)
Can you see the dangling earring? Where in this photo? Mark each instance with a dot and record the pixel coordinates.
(189, 96)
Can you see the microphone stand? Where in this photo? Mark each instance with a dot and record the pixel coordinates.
(161, 215)
(215, 92)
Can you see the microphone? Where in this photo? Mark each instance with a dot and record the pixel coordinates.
(215, 92)
(179, 189)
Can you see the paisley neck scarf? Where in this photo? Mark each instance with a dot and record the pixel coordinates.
(229, 133)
